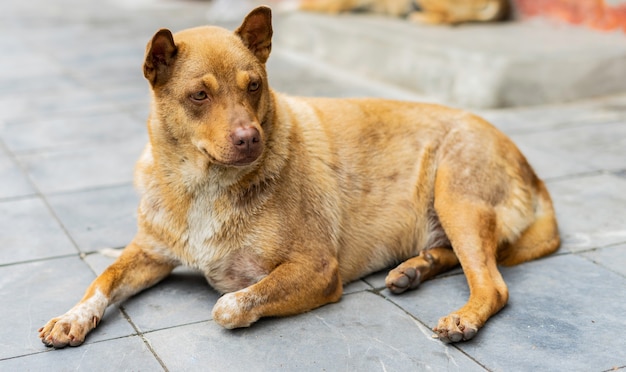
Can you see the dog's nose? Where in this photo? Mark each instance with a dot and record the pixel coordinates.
(246, 138)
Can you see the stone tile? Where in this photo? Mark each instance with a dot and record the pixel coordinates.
(24, 86)
(39, 291)
(129, 96)
(600, 146)
(362, 332)
(97, 165)
(26, 63)
(535, 118)
(76, 101)
(124, 354)
(613, 258)
(114, 72)
(377, 280)
(356, 286)
(590, 211)
(30, 232)
(76, 131)
(101, 218)
(95, 50)
(139, 110)
(182, 298)
(14, 182)
(550, 164)
(99, 261)
(561, 316)
(294, 74)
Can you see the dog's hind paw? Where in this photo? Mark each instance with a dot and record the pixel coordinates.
(402, 278)
(455, 328)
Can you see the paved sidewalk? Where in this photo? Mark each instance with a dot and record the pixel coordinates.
(73, 104)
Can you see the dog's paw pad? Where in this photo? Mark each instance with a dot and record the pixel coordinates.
(454, 328)
(401, 279)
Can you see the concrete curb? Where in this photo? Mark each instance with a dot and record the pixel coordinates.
(474, 65)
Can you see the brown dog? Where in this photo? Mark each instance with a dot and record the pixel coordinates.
(281, 200)
(430, 11)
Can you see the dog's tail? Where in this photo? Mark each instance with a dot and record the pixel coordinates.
(540, 239)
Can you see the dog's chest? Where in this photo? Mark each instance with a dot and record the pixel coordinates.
(220, 248)
(203, 228)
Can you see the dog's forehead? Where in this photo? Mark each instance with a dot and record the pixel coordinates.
(202, 33)
(214, 46)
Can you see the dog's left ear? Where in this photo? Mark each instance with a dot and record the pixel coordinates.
(256, 32)
(160, 53)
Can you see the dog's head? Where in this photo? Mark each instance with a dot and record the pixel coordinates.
(211, 99)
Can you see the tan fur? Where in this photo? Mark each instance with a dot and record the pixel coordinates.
(431, 11)
(279, 201)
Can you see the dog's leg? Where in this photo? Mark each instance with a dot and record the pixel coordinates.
(471, 228)
(291, 288)
(412, 272)
(135, 270)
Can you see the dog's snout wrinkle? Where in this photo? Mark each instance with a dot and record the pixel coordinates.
(203, 147)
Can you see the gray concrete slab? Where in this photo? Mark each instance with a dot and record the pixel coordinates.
(106, 217)
(549, 324)
(613, 258)
(590, 211)
(471, 65)
(362, 332)
(64, 103)
(293, 74)
(595, 147)
(183, 298)
(543, 117)
(124, 354)
(30, 232)
(84, 167)
(19, 184)
(35, 292)
(66, 132)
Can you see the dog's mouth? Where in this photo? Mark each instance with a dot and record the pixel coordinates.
(233, 158)
(242, 162)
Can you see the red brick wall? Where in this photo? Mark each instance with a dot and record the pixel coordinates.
(598, 14)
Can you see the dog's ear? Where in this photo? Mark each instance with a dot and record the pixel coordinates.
(160, 53)
(256, 32)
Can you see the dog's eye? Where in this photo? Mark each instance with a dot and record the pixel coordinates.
(254, 86)
(199, 96)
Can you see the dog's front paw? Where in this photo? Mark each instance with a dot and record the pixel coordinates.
(68, 329)
(234, 310)
(455, 328)
(402, 278)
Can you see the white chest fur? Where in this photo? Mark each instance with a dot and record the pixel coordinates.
(203, 248)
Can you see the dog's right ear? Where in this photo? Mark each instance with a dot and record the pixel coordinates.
(256, 32)
(160, 53)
